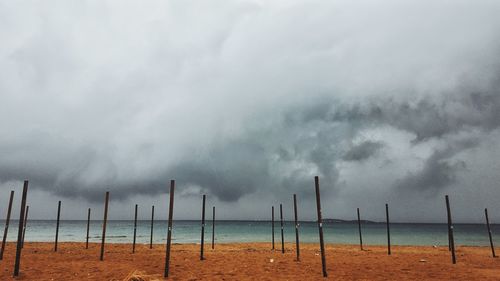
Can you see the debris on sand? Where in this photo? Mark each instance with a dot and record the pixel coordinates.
(137, 275)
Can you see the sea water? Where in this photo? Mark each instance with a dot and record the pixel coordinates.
(120, 231)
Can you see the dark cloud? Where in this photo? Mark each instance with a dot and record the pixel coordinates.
(439, 170)
(228, 172)
(283, 157)
(426, 117)
(362, 151)
(273, 158)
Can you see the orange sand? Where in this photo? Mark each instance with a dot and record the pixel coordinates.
(250, 261)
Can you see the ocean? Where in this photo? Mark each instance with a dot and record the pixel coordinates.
(121, 231)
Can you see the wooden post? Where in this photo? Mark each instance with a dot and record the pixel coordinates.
(7, 220)
(388, 230)
(449, 238)
(450, 231)
(202, 227)
(57, 224)
(152, 226)
(88, 229)
(213, 227)
(320, 227)
(449, 223)
(104, 222)
(20, 229)
(282, 234)
(135, 229)
(25, 223)
(489, 232)
(169, 235)
(296, 226)
(272, 223)
(359, 228)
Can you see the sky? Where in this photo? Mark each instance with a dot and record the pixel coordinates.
(246, 101)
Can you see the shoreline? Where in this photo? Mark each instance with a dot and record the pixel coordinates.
(277, 243)
(247, 261)
(291, 221)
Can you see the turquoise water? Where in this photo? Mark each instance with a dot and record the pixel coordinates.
(257, 231)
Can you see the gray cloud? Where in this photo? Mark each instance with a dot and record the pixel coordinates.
(230, 171)
(426, 118)
(439, 169)
(362, 151)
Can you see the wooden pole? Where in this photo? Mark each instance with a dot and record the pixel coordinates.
(25, 223)
(169, 235)
(104, 222)
(388, 230)
(359, 228)
(20, 229)
(202, 228)
(213, 227)
(7, 220)
(449, 238)
(282, 234)
(449, 223)
(57, 225)
(152, 226)
(135, 229)
(489, 233)
(272, 223)
(297, 244)
(450, 231)
(320, 227)
(88, 230)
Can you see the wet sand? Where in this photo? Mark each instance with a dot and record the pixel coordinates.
(249, 261)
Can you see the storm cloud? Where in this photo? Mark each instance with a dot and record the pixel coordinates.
(439, 169)
(238, 99)
(362, 151)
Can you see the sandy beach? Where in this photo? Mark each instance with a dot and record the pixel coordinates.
(250, 261)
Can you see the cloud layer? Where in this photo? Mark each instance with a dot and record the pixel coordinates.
(244, 98)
